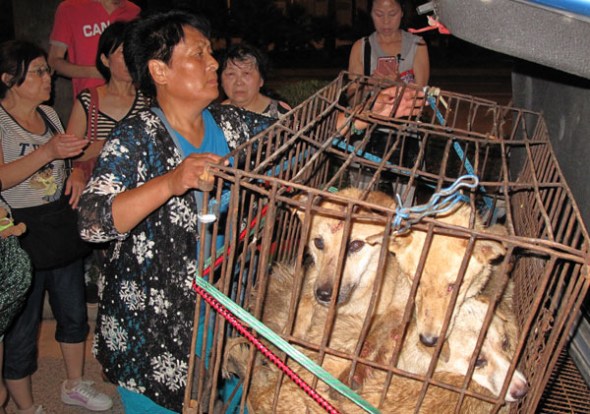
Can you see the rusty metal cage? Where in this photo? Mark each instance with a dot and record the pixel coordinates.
(288, 173)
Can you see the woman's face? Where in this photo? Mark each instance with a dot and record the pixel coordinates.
(116, 64)
(37, 84)
(241, 81)
(192, 70)
(387, 16)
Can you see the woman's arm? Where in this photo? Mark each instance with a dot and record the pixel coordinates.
(421, 65)
(132, 206)
(410, 104)
(132, 179)
(355, 63)
(355, 66)
(60, 146)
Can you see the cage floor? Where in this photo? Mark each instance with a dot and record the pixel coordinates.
(566, 392)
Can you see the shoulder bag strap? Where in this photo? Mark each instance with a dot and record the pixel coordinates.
(367, 57)
(52, 127)
(54, 130)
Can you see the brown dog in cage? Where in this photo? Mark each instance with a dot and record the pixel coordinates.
(492, 361)
(439, 276)
(402, 395)
(359, 276)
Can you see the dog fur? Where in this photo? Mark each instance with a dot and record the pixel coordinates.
(439, 277)
(400, 397)
(304, 318)
(361, 256)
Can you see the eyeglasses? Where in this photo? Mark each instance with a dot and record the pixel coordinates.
(42, 70)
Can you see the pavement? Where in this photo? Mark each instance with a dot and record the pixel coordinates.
(51, 373)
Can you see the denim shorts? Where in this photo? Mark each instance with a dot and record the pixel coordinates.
(65, 286)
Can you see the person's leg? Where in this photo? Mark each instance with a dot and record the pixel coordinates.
(20, 347)
(73, 355)
(66, 296)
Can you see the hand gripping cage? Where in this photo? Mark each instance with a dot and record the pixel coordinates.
(293, 171)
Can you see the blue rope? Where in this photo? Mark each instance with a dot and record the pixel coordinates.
(468, 166)
(441, 202)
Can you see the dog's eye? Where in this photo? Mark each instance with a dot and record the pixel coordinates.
(481, 362)
(355, 246)
(450, 287)
(319, 243)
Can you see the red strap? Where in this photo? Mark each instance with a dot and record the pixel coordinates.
(433, 24)
(92, 118)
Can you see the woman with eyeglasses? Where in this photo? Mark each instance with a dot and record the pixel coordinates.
(36, 185)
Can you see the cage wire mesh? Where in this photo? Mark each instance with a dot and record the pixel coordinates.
(321, 264)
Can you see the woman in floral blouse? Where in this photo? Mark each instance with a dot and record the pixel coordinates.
(142, 195)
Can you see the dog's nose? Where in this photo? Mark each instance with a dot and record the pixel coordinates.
(323, 294)
(519, 390)
(428, 340)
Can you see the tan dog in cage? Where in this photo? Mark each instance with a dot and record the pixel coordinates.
(492, 361)
(356, 287)
(439, 277)
(359, 258)
(402, 395)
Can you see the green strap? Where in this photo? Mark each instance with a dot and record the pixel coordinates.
(5, 223)
(285, 346)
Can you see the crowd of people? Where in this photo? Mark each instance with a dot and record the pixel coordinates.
(127, 173)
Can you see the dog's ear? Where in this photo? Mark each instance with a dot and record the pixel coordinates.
(488, 250)
(376, 238)
(400, 243)
(300, 199)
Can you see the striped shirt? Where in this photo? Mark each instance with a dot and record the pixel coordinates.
(46, 184)
(105, 123)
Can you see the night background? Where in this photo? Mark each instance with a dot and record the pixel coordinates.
(304, 34)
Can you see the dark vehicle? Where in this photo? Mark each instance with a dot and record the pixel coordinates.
(550, 39)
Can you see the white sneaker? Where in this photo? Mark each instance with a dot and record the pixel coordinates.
(85, 395)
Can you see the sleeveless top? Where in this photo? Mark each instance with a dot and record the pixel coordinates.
(410, 43)
(105, 123)
(46, 184)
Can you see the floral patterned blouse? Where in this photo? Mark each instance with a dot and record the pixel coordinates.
(145, 315)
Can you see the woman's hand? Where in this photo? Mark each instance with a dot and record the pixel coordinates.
(63, 146)
(192, 174)
(410, 103)
(75, 186)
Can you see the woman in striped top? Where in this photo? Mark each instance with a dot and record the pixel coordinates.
(117, 99)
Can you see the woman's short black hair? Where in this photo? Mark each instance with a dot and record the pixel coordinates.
(110, 40)
(242, 52)
(15, 58)
(154, 37)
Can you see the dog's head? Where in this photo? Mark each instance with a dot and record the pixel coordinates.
(497, 351)
(440, 275)
(328, 245)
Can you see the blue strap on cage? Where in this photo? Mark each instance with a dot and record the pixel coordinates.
(441, 202)
(430, 94)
